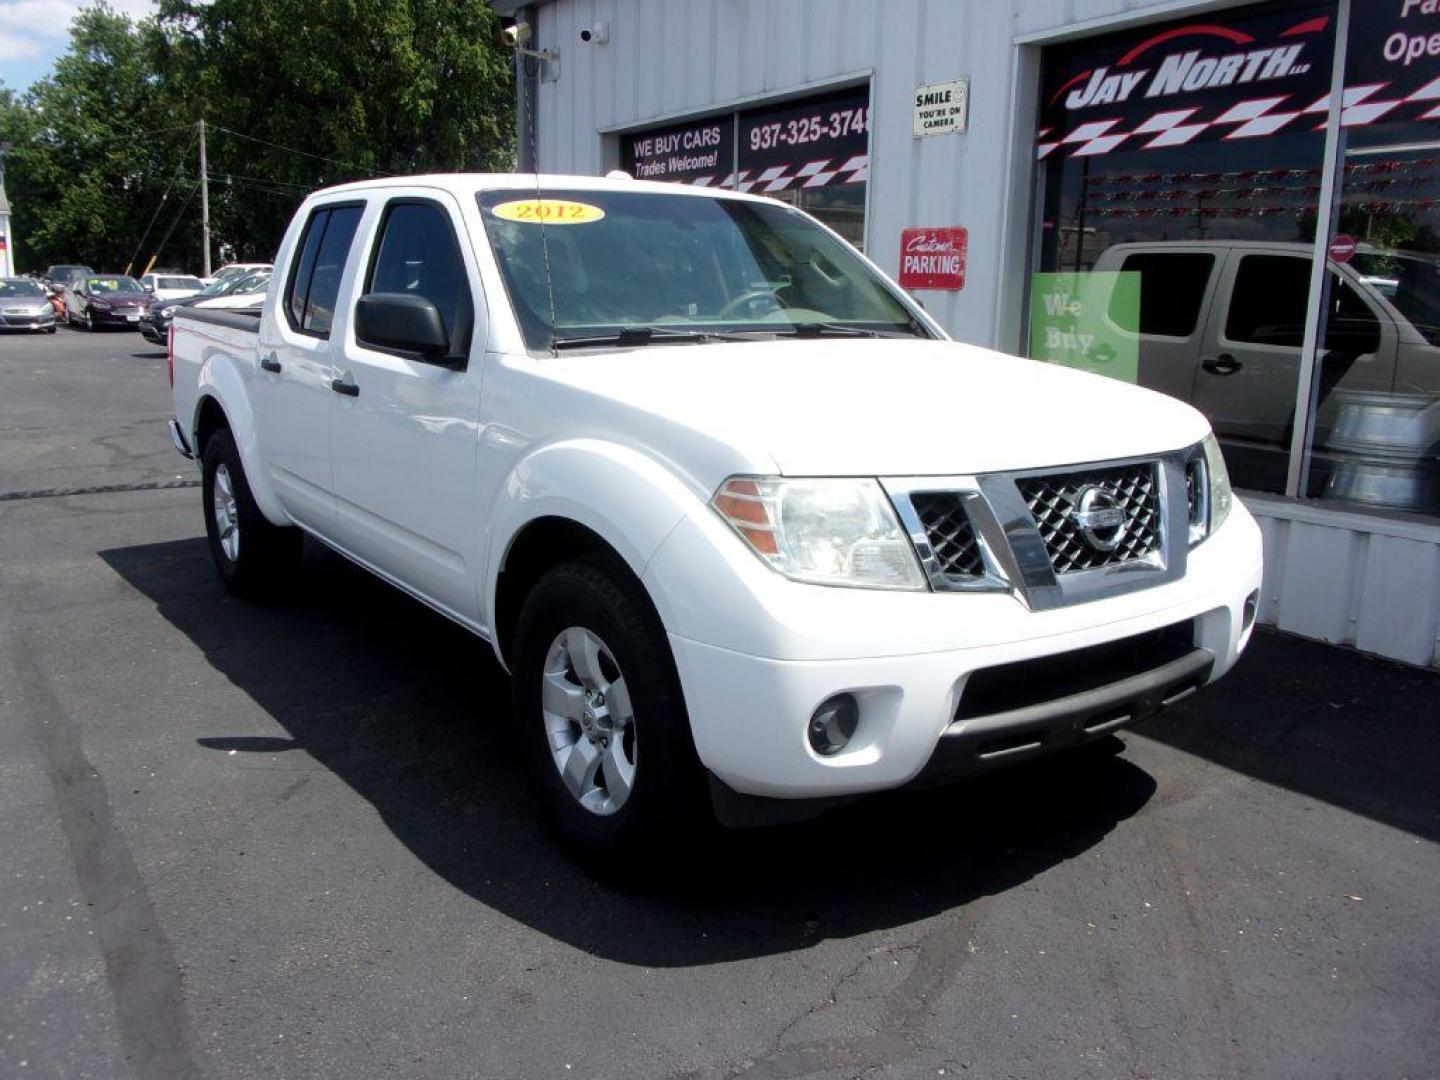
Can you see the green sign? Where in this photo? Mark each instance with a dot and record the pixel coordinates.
(1087, 321)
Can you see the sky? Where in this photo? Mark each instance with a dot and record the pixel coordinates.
(34, 32)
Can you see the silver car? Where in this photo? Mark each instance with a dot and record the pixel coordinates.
(25, 305)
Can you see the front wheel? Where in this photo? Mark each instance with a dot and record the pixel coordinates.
(251, 553)
(603, 718)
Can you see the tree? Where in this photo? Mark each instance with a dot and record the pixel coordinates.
(87, 168)
(296, 94)
(304, 93)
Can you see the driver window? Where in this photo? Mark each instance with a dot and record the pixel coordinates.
(418, 255)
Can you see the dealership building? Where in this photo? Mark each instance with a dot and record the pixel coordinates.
(1235, 204)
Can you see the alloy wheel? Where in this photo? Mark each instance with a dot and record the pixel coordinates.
(589, 721)
(227, 514)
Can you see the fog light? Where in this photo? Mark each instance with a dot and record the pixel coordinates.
(833, 724)
(1252, 604)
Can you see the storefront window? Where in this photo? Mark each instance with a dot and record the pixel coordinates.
(1181, 168)
(1375, 438)
(813, 153)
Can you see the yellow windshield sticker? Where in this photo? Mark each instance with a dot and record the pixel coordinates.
(549, 211)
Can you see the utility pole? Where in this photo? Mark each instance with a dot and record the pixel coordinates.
(204, 205)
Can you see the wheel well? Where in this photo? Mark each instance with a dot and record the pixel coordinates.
(540, 546)
(210, 420)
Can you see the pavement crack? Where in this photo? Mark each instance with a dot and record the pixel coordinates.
(140, 966)
(97, 489)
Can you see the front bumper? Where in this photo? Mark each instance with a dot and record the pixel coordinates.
(749, 712)
(43, 320)
(126, 317)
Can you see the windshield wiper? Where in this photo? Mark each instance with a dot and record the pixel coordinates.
(835, 329)
(644, 335)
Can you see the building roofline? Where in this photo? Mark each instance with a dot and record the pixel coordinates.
(508, 8)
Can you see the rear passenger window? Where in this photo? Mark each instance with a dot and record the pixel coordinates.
(315, 282)
(419, 255)
(1268, 300)
(1172, 288)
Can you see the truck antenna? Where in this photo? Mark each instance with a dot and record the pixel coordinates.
(530, 89)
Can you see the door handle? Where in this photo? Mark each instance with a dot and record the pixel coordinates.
(1224, 364)
(345, 385)
(270, 363)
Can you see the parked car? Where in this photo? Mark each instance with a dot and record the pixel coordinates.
(1221, 326)
(247, 292)
(58, 278)
(235, 270)
(155, 322)
(171, 286)
(750, 534)
(105, 300)
(25, 305)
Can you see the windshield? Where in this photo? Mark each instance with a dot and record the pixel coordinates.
(9, 290)
(68, 273)
(217, 287)
(252, 284)
(632, 266)
(1410, 282)
(189, 283)
(116, 285)
(231, 272)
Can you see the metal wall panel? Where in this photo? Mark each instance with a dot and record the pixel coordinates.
(1373, 583)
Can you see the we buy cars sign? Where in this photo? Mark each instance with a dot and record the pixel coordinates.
(933, 258)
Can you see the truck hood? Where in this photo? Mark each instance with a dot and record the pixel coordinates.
(886, 407)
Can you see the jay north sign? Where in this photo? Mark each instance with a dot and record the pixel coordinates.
(1230, 75)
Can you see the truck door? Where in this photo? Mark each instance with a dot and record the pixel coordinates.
(403, 430)
(1176, 289)
(1250, 359)
(291, 392)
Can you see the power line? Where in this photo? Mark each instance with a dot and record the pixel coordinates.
(161, 206)
(178, 215)
(147, 133)
(292, 150)
(241, 178)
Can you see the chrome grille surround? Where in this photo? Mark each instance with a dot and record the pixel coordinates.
(951, 534)
(1054, 501)
(1015, 546)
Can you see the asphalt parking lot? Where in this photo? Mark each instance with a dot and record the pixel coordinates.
(291, 839)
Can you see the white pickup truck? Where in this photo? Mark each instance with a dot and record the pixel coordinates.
(750, 534)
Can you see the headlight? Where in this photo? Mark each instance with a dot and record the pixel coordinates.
(1208, 492)
(100, 305)
(166, 312)
(826, 532)
(1222, 497)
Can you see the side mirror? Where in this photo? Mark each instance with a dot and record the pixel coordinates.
(401, 321)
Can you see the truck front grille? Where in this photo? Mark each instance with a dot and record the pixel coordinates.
(949, 530)
(1055, 504)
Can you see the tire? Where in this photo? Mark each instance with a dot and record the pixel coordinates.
(665, 809)
(251, 554)
(89, 322)
(50, 329)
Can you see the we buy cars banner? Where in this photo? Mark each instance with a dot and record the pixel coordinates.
(811, 143)
(1207, 79)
